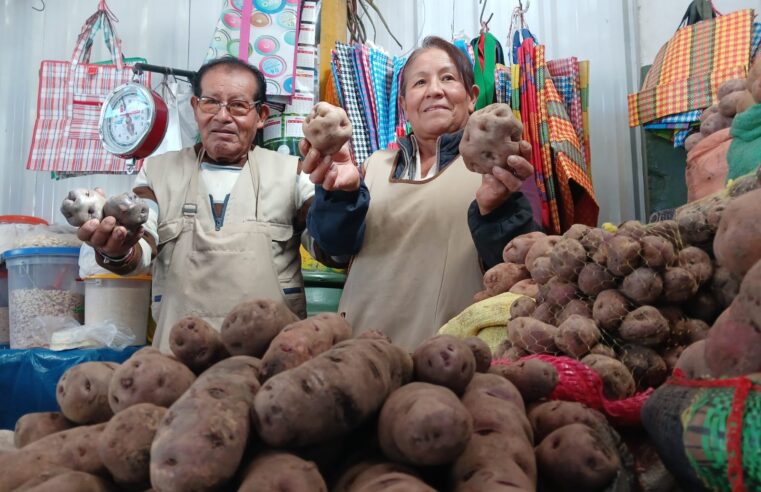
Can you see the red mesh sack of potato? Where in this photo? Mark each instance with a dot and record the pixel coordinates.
(578, 382)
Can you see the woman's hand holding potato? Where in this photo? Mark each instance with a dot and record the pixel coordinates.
(325, 147)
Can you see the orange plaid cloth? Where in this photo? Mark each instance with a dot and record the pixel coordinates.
(688, 70)
(562, 157)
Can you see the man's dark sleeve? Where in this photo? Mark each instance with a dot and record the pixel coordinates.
(491, 232)
(336, 220)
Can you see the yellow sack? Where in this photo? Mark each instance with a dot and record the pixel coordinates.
(486, 319)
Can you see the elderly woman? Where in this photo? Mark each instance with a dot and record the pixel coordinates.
(419, 246)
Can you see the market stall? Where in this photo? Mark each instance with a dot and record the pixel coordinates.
(395, 280)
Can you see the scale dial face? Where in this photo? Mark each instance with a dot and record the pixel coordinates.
(126, 119)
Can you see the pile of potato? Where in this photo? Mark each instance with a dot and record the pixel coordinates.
(629, 303)
(276, 403)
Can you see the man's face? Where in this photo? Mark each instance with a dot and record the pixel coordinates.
(226, 137)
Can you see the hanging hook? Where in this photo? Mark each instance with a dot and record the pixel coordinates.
(43, 6)
(484, 25)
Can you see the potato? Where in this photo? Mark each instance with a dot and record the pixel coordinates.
(534, 378)
(644, 326)
(494, 388)
(623, 255)
(729, 86)
(491, 135)
(593, 239)
(374, 335)
(200, 440)
(366, 471)
(576, 306)
(481, 296)
(532, 335)
(81, 205)
(602, 349)
(686, 331)
(692, 361)
(444, 360)
(337, 391)
(728, 104)
(646, 366)
(743, 185)
(693, 225)
(692, 140)
(595, 278)
(714, 123)
(423, 424)
(577, 335)
(549, 416)
(75, 449)
(725, 286)
(557, 292)
(251, 326)
(610, 309)
(703, 306)
(34, 426)
(748, 300)
(577, 232)
(148, 377)
(506, 477)
(657, 252)
(697, 262)
(668, 230)
(501, 277)
(124, 446)
(575, 457)
(327, 128)
(128, 209)
(671, 356)
(737, 244)
(517, 248)
(196, 344)
(733, 347)
(481, 353)
(523, 306)
(678, 285)
(709, 111)
(68, 481)
(617, 381)
(633, 229)
(541, 270)
(525, 287)
(567, 259)
(515, 353)
(541, 248)
(395, 482)
(82, 392)
(281, 471)
(643, 286)
(302, 340)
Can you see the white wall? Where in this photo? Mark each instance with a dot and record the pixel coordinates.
(658, 19)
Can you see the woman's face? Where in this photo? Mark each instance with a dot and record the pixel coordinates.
(435, 99)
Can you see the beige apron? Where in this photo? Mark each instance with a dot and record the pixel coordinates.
(418, 266)
(204, 272)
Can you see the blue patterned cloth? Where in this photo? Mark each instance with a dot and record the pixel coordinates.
(755, 40)
(335, 68)
(679, 121)
(364, 97)
(680, 137)
(393, 119)
(381, 90)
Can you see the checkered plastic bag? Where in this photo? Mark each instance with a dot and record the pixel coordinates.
(689, 69)
(70, 96)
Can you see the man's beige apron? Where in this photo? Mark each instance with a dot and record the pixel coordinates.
(204, 272)
(418, 266)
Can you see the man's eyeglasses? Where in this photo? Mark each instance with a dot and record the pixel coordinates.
(235, 108)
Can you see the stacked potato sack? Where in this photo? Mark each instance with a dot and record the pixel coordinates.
(276, 403)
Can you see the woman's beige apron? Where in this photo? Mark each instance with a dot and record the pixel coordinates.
(203, 272)
(418, 266)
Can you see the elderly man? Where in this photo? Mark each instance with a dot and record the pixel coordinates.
(225, 216)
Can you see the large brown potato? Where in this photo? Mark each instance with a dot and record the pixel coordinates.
(251, 326)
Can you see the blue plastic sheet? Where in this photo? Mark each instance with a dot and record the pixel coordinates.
(28, 377)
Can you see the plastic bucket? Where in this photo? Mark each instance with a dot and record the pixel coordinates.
(323, 291)
(13, 227)
(124, 301)
(42, 282)
(5, 333)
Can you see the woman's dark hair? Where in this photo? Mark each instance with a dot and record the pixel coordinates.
(460, 60)
(232, 63)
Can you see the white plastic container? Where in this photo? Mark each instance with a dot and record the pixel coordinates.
(42, 288)
(124, 301)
